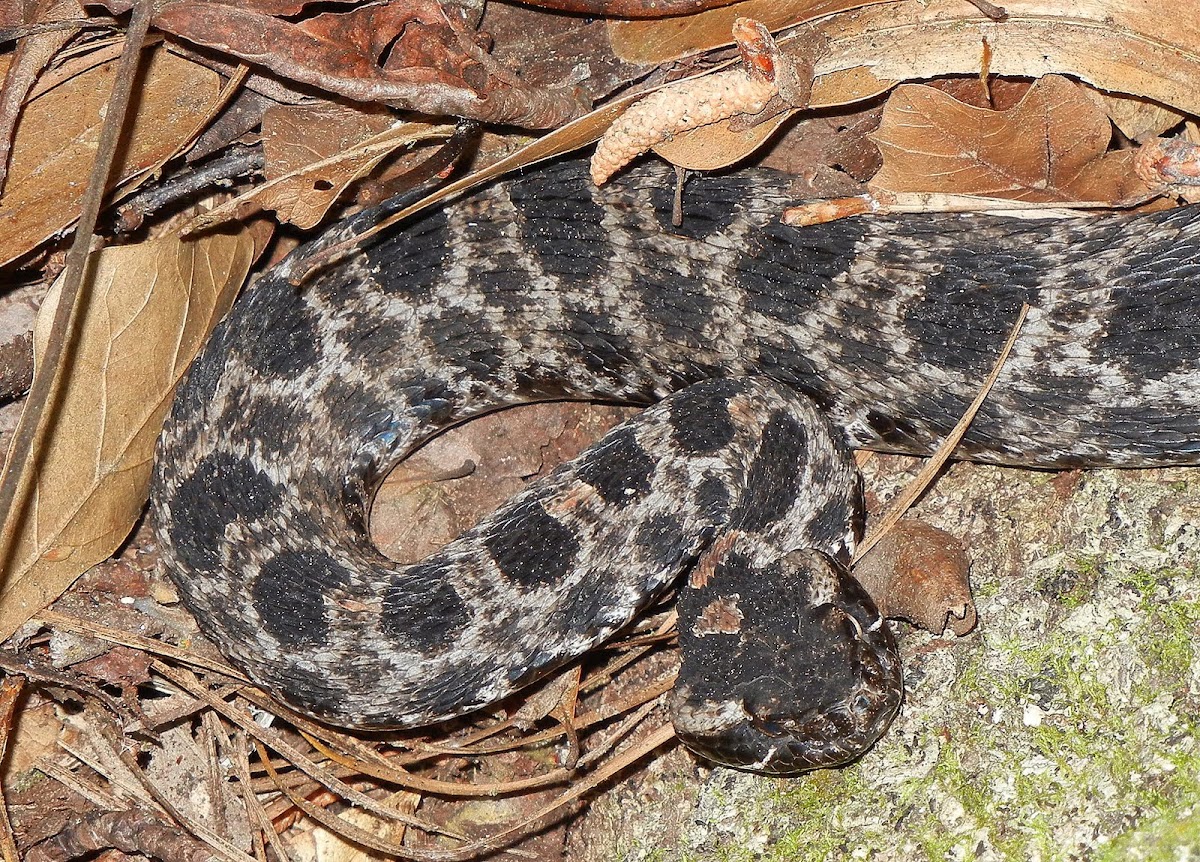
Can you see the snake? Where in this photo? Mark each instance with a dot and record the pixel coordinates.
(763, 354)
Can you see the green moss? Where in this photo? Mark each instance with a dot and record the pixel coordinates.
(1145, 582)
(1167, 838)
(1166, 640)
(811, 803)
(1168, 628)
(1094, 742)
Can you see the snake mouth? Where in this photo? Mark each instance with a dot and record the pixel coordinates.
(773, 737)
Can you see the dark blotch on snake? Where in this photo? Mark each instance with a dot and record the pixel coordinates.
(201, 495)
(960, 330)
(774, 474)
(784, 280)
(532, 548)
(831, 521)
(662, 537)
(700, 416)
(289, 594)
(618, 468)
(890, 430)
(285, 348)
(422, 262)
(562, 232)
(712, 498)
(602, 348)
(421, 608)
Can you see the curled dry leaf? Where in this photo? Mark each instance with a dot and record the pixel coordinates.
(294, 136)
(920, 573)
(630, 8)
(412, 54)
(56, 142)
(1050, 148)
(151, 307)
(717, 146)
(1138, 119)
(1120, 46)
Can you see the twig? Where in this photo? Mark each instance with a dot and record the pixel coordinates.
(238, 162)
(543, 817)
(241, 764)
(991, 10)
(220, 846)
(922, 480)
(631, 8)
(278, 743)
(18, 664)
(20, 470)
(54, 619)
(100, 797)
(8, 34)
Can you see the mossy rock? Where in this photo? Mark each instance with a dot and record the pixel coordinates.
(1064, 728)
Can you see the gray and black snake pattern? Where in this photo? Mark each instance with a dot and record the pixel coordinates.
(767, 351)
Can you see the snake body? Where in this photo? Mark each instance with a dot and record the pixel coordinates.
(766, 351)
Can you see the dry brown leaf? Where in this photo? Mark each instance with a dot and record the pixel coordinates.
(295, 136)
(1121, 46)
(419, 55)
(662, 39)
(56, 141)
(32, 54)
(303, 195)
(717, 146)
(1050, 148)
(151, 307)
(920, 573)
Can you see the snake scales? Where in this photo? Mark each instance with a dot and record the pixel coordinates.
(766, 350)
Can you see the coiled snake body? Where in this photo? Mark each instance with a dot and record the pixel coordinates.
(766, 350)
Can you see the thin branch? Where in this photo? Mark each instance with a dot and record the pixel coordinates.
(923, 479)
(17, 485)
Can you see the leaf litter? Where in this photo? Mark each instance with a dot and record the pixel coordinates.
(163, 747)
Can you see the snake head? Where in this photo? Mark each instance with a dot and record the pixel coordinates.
(807, 677)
